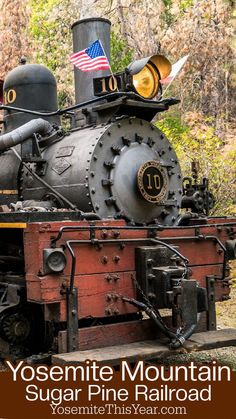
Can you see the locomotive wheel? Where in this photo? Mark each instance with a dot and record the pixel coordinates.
(25, 331)
(16, 327)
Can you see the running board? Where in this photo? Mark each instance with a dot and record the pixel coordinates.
(149, 349)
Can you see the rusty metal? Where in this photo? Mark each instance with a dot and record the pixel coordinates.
(72, 319)
(211, 311)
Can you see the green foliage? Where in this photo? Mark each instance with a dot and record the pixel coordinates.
(185, 4)
(48, 29)
(196, 141)
(121, 56)
(167, 15)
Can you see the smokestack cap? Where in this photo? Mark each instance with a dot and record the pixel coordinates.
(91, 19)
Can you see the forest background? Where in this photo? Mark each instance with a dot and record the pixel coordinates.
(202, 126)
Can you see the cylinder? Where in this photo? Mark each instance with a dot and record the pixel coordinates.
(85, 32)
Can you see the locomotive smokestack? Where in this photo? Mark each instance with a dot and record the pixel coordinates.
(85, 32)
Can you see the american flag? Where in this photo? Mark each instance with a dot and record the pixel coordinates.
(91, 59)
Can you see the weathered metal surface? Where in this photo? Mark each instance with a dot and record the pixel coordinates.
(211, 312)
(85, 32)
(101, 173)
(72, 319)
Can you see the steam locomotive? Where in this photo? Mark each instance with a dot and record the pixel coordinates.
(94, 239)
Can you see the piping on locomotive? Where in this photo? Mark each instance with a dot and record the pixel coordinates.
(92, 233)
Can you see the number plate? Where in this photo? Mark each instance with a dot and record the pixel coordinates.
(152, 182)
(105, 85)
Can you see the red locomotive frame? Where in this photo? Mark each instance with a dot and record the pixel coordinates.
(105, 269)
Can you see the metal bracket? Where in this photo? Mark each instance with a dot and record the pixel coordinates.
(152, 232)
(211, 313)
(189, 301)
(72, 319)
(92, 232)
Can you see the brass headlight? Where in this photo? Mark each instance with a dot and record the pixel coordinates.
(146, 73)
(146, 82)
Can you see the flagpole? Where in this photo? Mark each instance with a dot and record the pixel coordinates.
(168, 86)
(183, 60)
(108, 62)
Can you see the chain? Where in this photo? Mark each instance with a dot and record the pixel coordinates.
(145, 298)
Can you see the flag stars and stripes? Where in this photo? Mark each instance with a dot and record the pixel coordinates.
(91, 59)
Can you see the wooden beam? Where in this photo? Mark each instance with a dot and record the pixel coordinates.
(149, 349)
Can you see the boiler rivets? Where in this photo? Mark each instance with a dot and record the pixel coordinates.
(150, 142)
(110, 201)
(126, 141)
(109, 164)
(107, 182)
(115, 149)
(138, 139)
